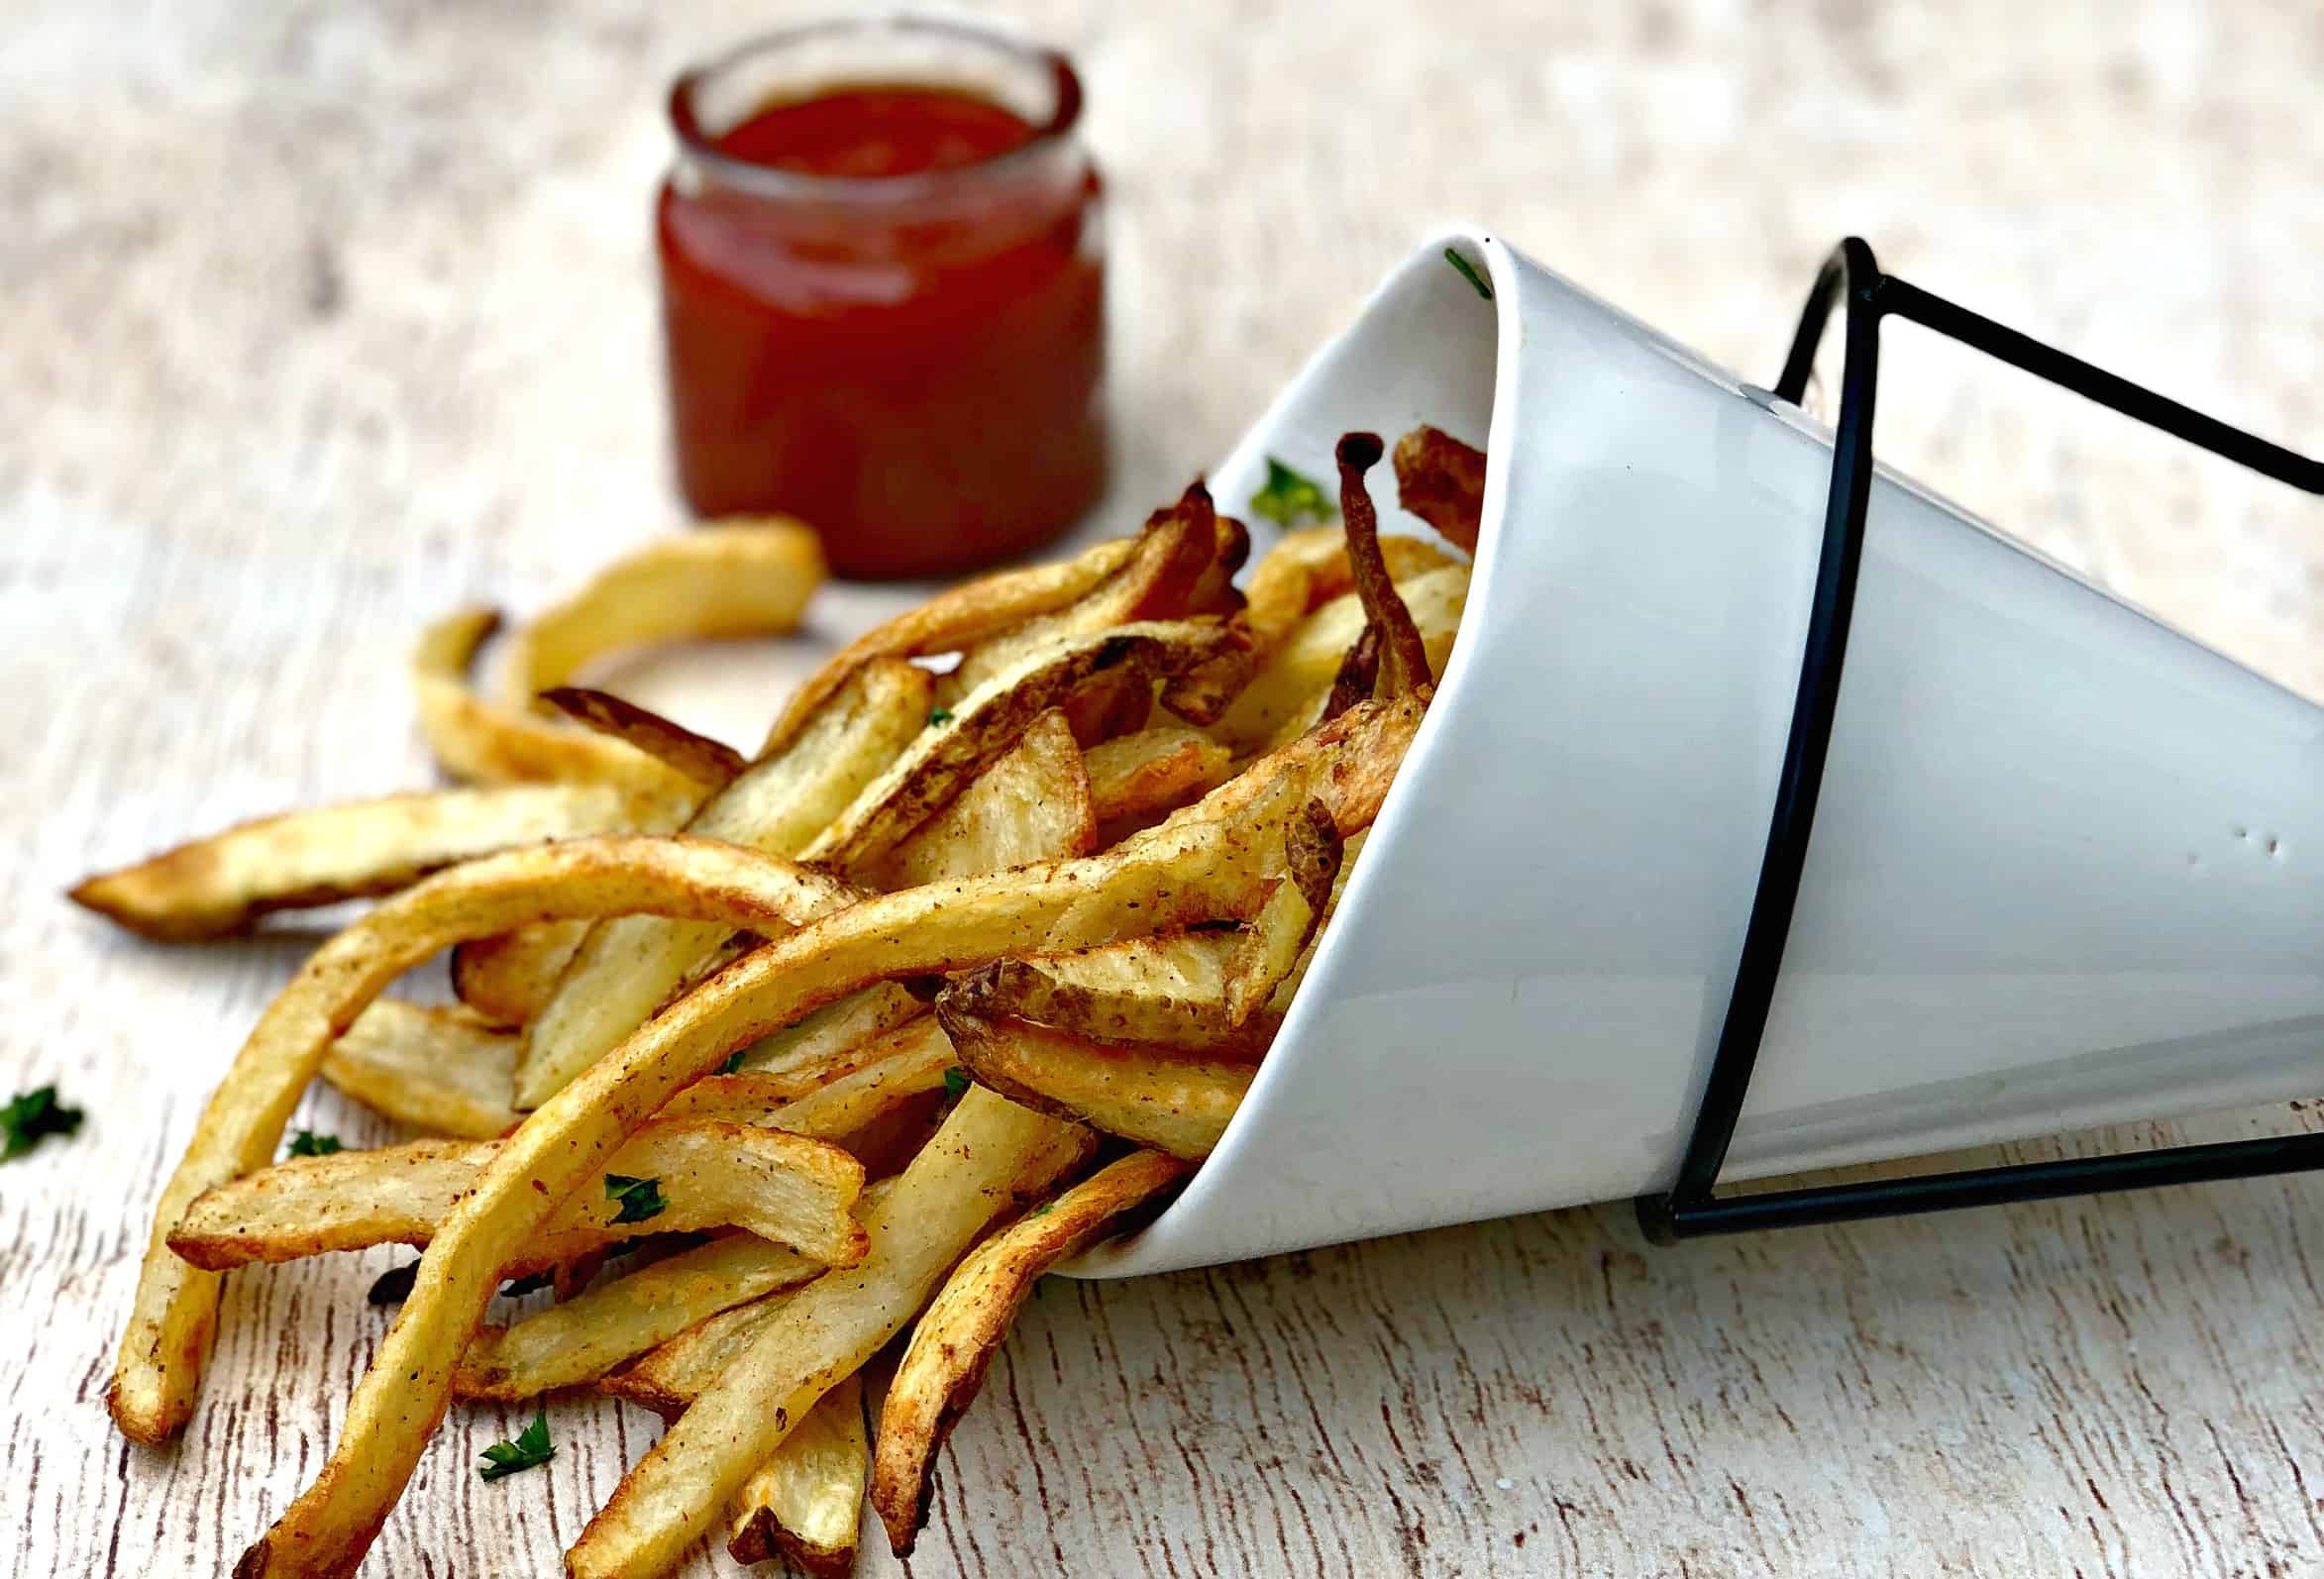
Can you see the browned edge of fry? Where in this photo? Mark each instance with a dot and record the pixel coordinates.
(1358, 677)
(1403, 659)
(708, 763)
(1442, 482)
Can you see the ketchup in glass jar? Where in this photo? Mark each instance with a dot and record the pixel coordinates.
(883, 289)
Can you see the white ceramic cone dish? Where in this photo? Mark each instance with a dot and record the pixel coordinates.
(2068, 867)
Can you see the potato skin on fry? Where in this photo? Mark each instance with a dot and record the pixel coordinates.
(1442, 482)
(965, 1324)
(1159, 1097)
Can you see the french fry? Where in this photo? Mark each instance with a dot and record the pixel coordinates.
(821, 1335)
(1153, 771)
(1031, 803)
(507, 977)
(903, 1065)
(1273, 941)
(1206, 862)
(174, 1309)
(1288, 989)
(481, 741)
(440, 1070)
(626, 969)
(830, 1041)
(1165, 1098)
(707, 761)
(1404, 658)
(1442, 482)
(1160, 580)
(787, 1188)
(1287, 692)
(957, 618)
(988, 722)
(965, 1324)
(806, 1502)
(746, 577)
(1170, 991)
(222, 884)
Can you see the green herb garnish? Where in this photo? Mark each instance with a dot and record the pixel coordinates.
(306, 1144)
(1288, 498)
(640, 1198)
(1468, 272)
(530, 1450)
(938, 717)
(733, 1064)
(956, 1083)
(30, 1117)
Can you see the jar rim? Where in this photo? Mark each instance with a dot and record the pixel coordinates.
(697, 146)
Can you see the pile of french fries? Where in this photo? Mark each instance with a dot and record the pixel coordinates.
(964, 970)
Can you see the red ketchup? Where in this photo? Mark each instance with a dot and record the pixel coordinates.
(885, 305)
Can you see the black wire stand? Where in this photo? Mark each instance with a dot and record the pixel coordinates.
(1691, 1206)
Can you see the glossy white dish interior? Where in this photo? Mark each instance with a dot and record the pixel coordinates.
(2068, 869)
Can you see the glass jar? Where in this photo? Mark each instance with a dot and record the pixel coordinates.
(883, 287)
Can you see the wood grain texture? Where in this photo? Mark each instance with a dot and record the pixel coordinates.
(324, 320)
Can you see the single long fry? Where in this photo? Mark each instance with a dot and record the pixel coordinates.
(1404, 658)
(221, 884)
(787, 1188)
(575, 1342)
(507, 977)
(747, 576)
(957, 618)
(806, 1502)
(1442, 482)
(1032, 803)
(965, 1324)
(1170, 991)
(707, 761)
(1153, 771)
(1165, 1098)
(483, 741)
(441, 1069)
(989, 721)
(1208, 861)
(822, 1334)
(625, 970)
(175, 1305)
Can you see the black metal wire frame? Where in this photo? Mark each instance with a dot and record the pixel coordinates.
(1691, 1206)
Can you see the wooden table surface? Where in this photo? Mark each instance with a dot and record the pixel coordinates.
(323, 319)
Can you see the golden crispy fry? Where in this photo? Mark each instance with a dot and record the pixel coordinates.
(1159, 580)
(1442, 482)
(1288, 989)
(1170, 991)
(989, 721)
(1208, 861)
(440, 1070)
(831, 1040)
(1271, 944)
(1030, 804)
(506, 978)
(787, 1188)
(577, 1340)
(1154, 770)
(823, 1333)
(957, 618)
(726, 580)
(1358, 677)
(905, 1064)
(175, 1305)
(627, 969)
(707, 761)
(965, 1324)
(806, 1504)
(1403, 659)
(1286, 695)
(221, 884)
(481, 741)
(672, 1376)
(1161, 1097)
